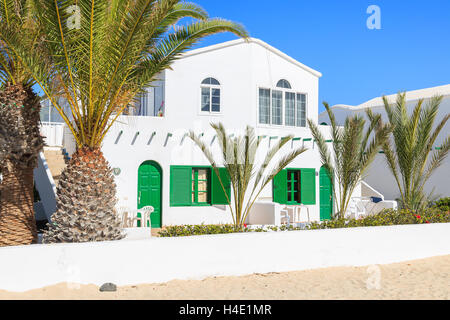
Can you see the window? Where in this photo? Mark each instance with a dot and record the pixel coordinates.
(295, 186)
(264, 106)
(282, 106)
(290, 108)
(210, 92)
(200, 181)
(301, 110)
(277, 107)
(284, 84)
(151, 102)
(198, 186)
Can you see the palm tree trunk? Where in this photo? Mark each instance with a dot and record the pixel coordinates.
(17, 221)
(85, 201)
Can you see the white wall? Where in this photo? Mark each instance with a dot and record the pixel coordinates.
(241, 69)
(45, 185)
(178, 151)
(164, 259)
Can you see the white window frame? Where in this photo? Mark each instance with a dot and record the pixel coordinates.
(283, 122)
(210, 87)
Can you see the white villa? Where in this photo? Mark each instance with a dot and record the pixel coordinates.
(237, 83)
(438, 183)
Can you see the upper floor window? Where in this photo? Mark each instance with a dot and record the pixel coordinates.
(284, 84)
(282, 106)
(210, 89)
(150, 103)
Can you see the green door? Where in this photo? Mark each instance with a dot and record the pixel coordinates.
(326, 195)
(149, 190)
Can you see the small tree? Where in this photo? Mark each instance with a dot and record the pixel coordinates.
(352, 153)
(238, 158)
(410, 155)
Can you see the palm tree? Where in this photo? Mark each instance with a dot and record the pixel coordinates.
(238, 158)
(410, 155)
(103, 54)
(351, 154)
(20, 139)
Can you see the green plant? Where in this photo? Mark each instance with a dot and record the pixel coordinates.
(99, 64)
(386, 218)
(238, 158)
(410, 157)
(442, 204)
(352, 152)
(193, 230)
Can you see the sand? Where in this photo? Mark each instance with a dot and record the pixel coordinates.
(420, 279)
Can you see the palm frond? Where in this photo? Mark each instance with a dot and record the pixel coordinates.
(112, 54)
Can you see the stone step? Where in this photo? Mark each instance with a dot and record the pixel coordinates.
(155, 232)
(56, 162)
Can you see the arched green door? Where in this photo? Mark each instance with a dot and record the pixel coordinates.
(149, 190)
(326, 195)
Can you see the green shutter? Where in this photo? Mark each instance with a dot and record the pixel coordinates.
(180, 186)
(308, 186)
(218, 196)
(279, 187)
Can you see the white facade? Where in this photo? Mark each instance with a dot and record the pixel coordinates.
(385, 183)
(237, 83)
(241, 68)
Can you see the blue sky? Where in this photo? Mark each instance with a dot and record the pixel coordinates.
(411, 51)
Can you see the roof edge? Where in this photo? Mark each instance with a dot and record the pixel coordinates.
(413, 95)
(250, 40)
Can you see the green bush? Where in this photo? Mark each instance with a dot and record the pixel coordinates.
(443, 204)
(195, 230)
(385, 218)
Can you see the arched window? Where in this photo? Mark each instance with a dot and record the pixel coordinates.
(211, 81)
(210, 89)
(284, 84)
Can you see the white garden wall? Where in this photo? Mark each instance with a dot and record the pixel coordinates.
(159, 260)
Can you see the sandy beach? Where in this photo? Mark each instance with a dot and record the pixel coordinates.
(420, 279)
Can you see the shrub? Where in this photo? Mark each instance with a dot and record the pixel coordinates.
(443, 204)
(386, 218)
(195, 230)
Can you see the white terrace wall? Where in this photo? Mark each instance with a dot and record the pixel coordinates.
(134, 262)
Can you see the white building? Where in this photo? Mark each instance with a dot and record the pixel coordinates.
(385, 183)
(237, 83)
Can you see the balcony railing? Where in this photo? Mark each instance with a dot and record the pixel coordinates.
(53, 133)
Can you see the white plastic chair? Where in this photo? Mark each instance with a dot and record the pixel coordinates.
(145, 216)
(285, 214)
(300, 208)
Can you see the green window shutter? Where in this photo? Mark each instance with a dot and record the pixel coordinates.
(308, 186)
(180, 186)
(279, 187)
(218, 196)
